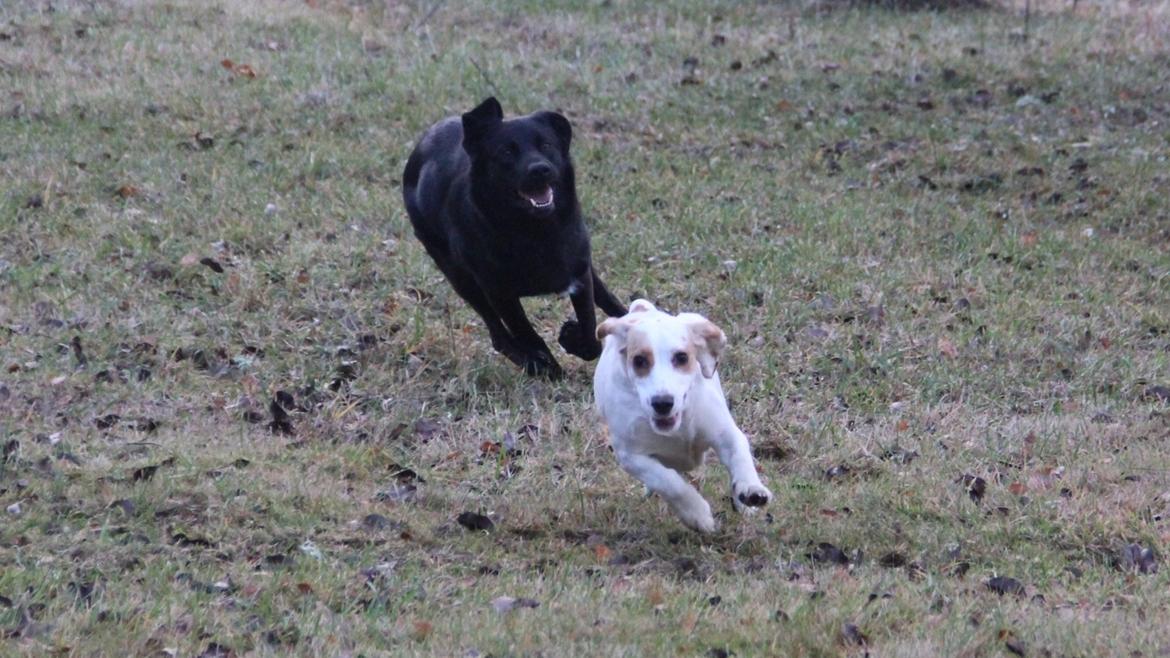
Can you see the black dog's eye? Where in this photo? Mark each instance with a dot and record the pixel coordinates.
(680, 359)
(545, 146)
(508, 152)
(640, 362)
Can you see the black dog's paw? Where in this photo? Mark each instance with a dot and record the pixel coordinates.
(543, 365)
(576, 343)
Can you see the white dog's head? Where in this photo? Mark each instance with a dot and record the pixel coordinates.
(663, 356)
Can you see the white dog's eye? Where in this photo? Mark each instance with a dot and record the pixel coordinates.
(680, 359)
(639, 362)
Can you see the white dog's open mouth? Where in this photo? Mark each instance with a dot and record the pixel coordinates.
(541, 199)
(665, 423)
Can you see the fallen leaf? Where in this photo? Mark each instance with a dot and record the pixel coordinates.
(217, 650)
(1004, 585)
(422, 630)
(1013, 643)
(601, 552)
(1135, 557)
(1156, 393)
(947, 348)
(837, 471)
(851, 634)
(826, 552)
(399, 493)
(475, 522)
(504, 604)
(976, 486)
(281, 422)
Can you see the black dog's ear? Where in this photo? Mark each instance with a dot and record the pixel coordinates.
(560, 126)
(477, 122)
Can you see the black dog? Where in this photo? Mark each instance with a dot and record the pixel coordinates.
(495, 204)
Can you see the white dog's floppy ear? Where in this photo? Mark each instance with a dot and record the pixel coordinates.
(709, 340)
(641, 306)
(616, 327)
(619, 327)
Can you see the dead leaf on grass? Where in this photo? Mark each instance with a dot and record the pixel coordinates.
(421, 631)
(975, 486)
(504, 604)
(852, 635)
(244, 70)
(281, 422)
(399, 493)
(475, 522)
(947, 348)
(1156, 394)
(426, 428)
(830, 554)
(217, 650)
(1006, 585)
(1137, 558)
(1013, 643)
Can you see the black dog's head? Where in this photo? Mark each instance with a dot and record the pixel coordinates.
(523, 163)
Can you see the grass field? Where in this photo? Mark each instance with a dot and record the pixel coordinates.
(242, 412)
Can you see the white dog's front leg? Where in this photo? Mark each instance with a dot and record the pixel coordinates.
(735, 453)
(684, 499)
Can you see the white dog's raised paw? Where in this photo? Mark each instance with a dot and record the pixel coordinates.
(750, 495)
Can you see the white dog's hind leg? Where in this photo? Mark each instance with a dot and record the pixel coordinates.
(735, 453)
(684, 499)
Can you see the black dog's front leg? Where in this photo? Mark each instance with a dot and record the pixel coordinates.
(579, 337)
(605, 299)
(537, 359)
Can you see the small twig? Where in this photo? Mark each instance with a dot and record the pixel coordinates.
(486, 77)
(431, 12)
(143, 443)
(1027, 17)
(450, 324)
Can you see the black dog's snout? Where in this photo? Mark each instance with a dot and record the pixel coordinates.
(662, 404)
(540, 171)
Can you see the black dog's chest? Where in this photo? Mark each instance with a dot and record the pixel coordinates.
(525, 264)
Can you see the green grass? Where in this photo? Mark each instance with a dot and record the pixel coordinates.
(950, 258)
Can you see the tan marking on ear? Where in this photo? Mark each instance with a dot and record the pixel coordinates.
(709, 340)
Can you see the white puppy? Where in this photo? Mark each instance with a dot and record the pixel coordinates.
(657, 389)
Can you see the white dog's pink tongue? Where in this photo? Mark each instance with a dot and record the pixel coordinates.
(541, 200)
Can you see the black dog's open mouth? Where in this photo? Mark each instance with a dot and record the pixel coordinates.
(539, 200)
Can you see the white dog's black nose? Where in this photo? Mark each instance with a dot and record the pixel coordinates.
(662, 404)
